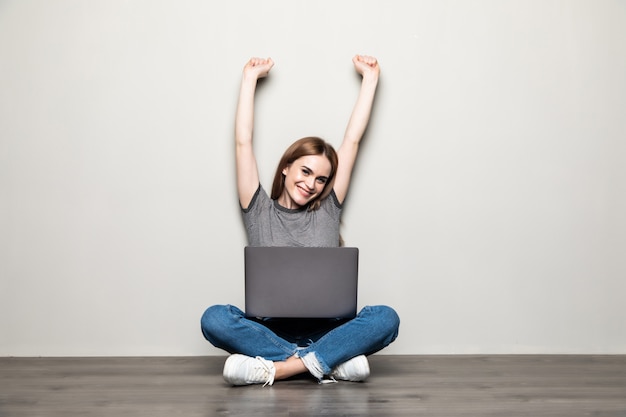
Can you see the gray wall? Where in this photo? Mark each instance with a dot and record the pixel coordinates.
(488, 201)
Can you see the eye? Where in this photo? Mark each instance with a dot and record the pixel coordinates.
(322, 180)
(306, 171)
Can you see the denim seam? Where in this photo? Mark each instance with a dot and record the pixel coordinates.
(269, 336)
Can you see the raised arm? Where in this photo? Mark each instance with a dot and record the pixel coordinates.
(369, 69)
(247, 173)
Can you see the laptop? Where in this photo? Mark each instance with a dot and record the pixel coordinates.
(302, 282)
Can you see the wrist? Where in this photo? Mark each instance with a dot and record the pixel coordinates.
(249, 81)
(370, 80)
(249, 77)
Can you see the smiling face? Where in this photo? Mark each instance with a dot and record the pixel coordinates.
(305, 180)
(305, 174)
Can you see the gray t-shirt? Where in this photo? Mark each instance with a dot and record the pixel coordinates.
(269, 224)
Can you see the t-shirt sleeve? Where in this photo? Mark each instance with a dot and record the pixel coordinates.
(252, 201)
(252, 213)
(332, 206)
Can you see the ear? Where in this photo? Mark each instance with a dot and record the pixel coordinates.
(285, 170)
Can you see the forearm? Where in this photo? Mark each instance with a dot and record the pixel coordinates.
(254, 69)
(244, 120)
(359, 119)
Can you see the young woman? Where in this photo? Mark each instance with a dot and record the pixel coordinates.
(304, 209)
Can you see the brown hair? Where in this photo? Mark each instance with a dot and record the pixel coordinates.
(306, 146)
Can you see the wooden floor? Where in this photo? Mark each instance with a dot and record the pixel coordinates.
(509, 386)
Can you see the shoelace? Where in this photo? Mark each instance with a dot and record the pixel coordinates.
(270, 370)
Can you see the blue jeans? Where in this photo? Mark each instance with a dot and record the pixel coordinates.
(331, 341)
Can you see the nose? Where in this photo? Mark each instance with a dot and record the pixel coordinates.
(310, 182)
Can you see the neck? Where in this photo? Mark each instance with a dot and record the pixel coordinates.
(287, 202)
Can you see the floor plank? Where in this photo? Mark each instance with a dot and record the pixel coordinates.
(501, 385)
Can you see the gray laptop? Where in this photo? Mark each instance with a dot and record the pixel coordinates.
(301, 282)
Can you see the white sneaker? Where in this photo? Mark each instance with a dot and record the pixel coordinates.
(246, 370)
(356, 369)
